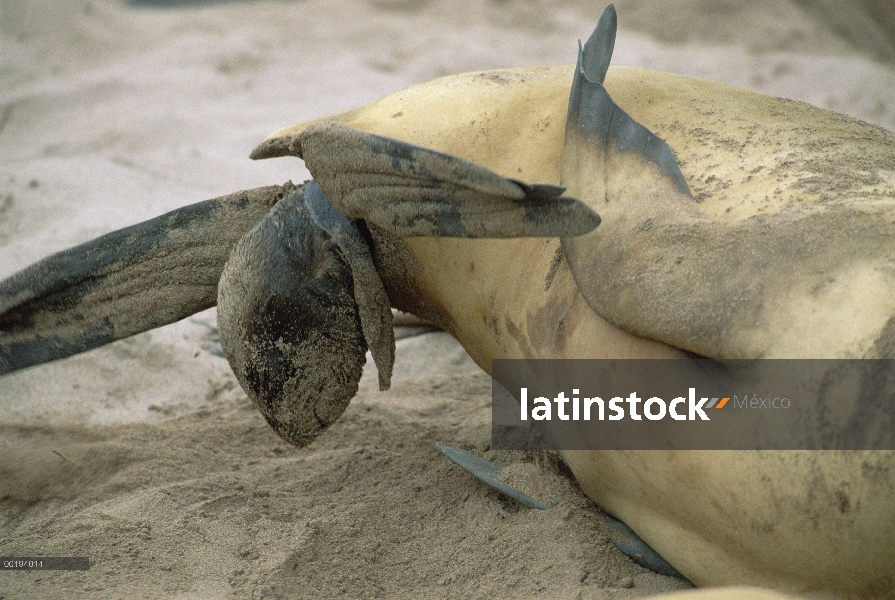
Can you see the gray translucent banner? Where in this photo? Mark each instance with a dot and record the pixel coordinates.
(44, 563)
(693, 404)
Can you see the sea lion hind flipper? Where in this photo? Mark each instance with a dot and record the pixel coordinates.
(413, 191)
(125, 282)
(372, 301)
(595, 117)
(594, 59)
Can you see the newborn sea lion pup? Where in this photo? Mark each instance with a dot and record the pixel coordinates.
(300, 299)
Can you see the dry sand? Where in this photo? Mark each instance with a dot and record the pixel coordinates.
(145, 455)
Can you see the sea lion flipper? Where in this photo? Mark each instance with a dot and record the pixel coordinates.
(125, 282)
(594, 58)
(630, 175)
(370, 296)
(631, 545)
(597, 125)
(413, 191)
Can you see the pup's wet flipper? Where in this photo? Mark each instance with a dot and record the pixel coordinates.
(128, 281)
(373, 304)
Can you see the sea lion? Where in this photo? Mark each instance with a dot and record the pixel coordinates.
(301, 299)
(767, 285)
(519, 299)
(724, 593)
(744, 517)
(792, 199)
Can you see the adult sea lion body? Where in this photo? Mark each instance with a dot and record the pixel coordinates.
(757, 517)
(724, 593)
(718, 517)
(797, 521)
(751, 160)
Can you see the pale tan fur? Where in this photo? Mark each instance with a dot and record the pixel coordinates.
(819, 523)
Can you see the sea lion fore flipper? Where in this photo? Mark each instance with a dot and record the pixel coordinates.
(413, 191)
(630, 176)
(372, 300)
(125, 282)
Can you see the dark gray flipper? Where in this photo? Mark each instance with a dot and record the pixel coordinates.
(412, 191)
(593, 114)
(594, 59)
(128, 281)
(488, 473)
(372, 300)
(630, 544)
(663, 267)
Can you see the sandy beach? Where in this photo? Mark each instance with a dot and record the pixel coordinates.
(146, 456)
